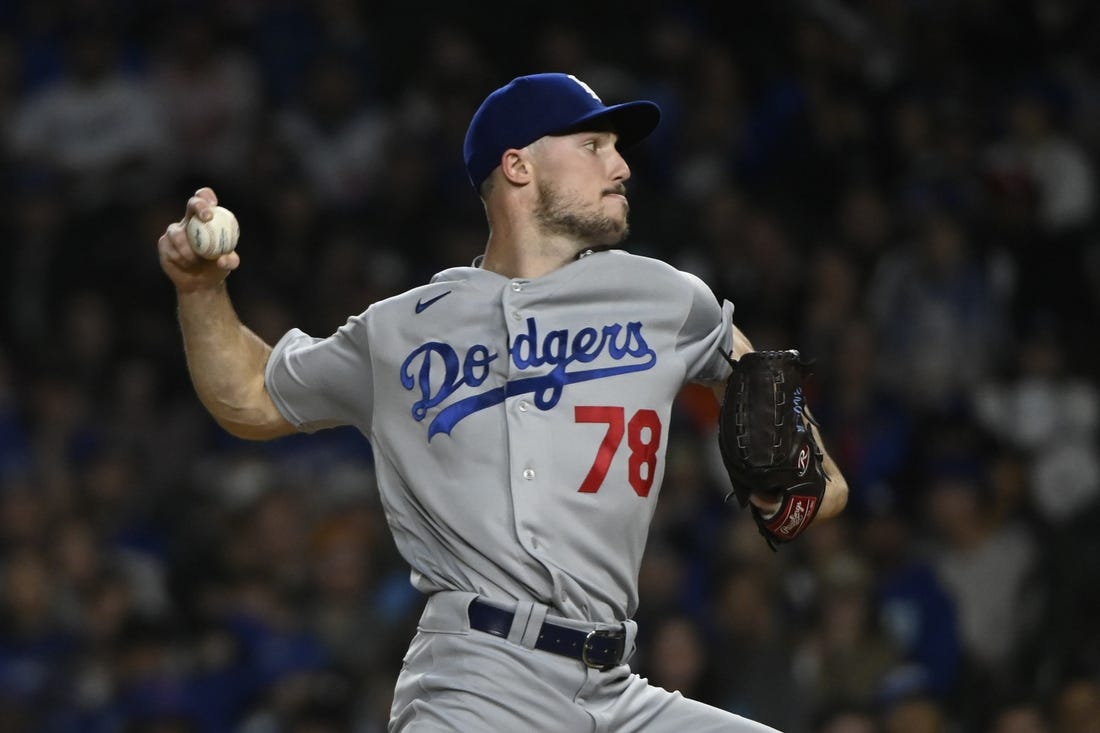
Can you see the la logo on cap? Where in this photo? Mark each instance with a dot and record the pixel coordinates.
(586, 88)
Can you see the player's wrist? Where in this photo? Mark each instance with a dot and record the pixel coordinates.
(197, 292)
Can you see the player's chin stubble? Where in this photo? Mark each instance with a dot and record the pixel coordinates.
(562, 214)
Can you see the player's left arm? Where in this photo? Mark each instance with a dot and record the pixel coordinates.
(836, 486)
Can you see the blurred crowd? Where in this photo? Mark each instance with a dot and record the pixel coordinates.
(905, 190)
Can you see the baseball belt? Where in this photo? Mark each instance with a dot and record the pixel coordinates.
(600, 649)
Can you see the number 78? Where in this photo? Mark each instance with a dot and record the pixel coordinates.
(643, 437)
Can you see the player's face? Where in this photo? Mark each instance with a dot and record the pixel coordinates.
(581, 192)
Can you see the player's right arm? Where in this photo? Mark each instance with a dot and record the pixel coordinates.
(226, 360)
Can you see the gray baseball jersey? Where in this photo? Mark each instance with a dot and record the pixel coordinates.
(519, 430)
(519, 427)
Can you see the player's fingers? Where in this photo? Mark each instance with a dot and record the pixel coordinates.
(201, 204)
(169, 254)
(200, 207)
(165, 249)
(767, 505)
(177, 235)
(172, 262)
(229, 261)
(179, 249)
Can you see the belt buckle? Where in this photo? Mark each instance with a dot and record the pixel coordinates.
(615, 635)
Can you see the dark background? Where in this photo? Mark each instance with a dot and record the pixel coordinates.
(904, 190)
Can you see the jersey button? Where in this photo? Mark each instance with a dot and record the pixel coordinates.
(517, 287)
(517, 315)
(529, 473)
(523, 405)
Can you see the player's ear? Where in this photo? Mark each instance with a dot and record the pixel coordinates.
(516, 166)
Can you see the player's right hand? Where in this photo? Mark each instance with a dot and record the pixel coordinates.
(189, 272)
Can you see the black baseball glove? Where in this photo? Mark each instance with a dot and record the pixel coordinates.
(767, 444)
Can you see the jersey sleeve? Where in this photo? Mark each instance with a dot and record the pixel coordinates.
(707, 333)
(323, 382)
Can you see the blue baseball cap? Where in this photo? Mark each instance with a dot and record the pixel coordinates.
(530, 107)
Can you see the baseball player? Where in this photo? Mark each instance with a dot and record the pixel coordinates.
(518, 411)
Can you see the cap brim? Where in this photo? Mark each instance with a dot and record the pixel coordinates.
(632, 121)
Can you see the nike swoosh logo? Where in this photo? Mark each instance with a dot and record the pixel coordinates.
(423, 305)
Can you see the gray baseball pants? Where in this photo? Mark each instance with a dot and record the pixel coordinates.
(458, 680)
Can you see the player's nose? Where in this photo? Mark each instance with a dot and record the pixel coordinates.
(620, 171)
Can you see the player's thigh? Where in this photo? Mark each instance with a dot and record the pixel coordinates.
(639, 706)
(474, 682)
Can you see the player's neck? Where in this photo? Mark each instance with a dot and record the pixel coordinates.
(528, 256)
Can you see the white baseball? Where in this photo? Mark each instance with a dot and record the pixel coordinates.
(214, 238)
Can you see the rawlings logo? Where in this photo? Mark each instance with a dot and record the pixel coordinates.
(803, 460)
(438, 371)
(799, 512)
